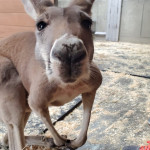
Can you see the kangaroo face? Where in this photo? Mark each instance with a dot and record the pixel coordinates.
(63, 38)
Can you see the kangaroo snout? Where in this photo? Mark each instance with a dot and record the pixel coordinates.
(68, 49)
(71, 54)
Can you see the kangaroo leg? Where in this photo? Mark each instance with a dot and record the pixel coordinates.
(88, 99)
(15, 137)
(5, 139)
(11, 137)
(18, 130)
(19, 137)
(58, 140)
(45, 117)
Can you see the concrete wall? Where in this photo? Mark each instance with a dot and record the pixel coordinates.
(135, 21)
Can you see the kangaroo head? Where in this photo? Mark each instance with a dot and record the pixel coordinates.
(63, 37)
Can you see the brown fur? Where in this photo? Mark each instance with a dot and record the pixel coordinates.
(13, 103)
(45, 89)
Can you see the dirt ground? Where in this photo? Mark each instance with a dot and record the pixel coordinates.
(122, 105)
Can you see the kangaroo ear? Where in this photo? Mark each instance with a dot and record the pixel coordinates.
(85, 5)
(35, 7)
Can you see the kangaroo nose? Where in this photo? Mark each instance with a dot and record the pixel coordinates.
(79, 56)
(70, 53)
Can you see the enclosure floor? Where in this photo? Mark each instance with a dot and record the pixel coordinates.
(122, 105)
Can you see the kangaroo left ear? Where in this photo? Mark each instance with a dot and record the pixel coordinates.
(85, 5)
(35, 7)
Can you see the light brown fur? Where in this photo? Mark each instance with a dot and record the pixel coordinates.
(45, 89)
(13, 103)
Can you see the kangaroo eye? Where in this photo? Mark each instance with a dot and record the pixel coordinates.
(41, 25)
(87, 23)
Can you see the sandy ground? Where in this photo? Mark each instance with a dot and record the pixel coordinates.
(122, 104)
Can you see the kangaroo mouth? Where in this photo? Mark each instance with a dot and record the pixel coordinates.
(69, 80)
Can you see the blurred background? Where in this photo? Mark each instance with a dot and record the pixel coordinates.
(113, 20)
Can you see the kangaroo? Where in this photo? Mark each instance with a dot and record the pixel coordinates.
(13, 103)
(55, 64)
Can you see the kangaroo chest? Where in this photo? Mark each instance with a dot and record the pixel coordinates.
(66, 94)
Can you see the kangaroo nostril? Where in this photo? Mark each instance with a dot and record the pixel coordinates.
(57, 55)
(69, 51)
(79, 56)
(69, 57)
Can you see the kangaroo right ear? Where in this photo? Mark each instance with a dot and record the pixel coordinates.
(35, 7)
(85, 5)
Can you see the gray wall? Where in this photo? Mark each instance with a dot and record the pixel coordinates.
(99, 14)
(135, 21)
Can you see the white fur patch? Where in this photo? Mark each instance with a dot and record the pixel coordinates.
(67, 39)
